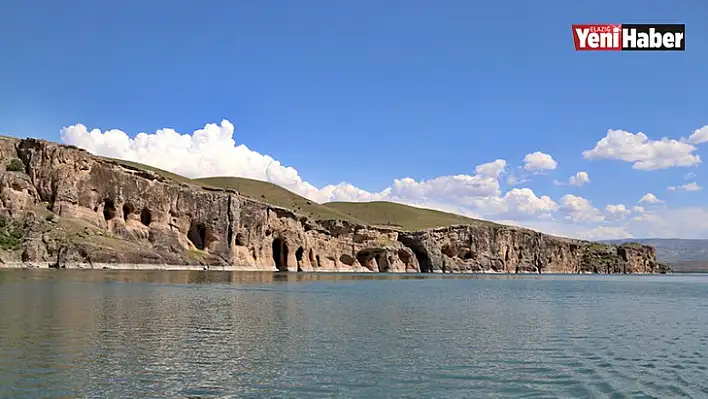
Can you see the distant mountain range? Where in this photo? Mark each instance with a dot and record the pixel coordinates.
(683, 255)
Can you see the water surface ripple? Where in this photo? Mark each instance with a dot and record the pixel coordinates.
(69, 333)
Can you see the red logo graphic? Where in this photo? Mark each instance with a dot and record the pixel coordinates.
(598, 37)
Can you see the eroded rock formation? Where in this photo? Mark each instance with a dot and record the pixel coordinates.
(78, 210)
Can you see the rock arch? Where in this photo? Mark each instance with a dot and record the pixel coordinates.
(423, 260)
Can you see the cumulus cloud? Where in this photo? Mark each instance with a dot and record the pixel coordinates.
(649, 198)
(617, 211)
(539, 161)
(522, 202)
(210, 151)
(491, 169)
(213, 151)
(645, 154)
(579, 209)
(699, 136)
(579, 179)
(693, 186)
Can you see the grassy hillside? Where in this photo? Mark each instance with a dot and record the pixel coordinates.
(385, 214)
(380, 213)
(276, 195)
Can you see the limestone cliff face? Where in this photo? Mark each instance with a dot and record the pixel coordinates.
(513, 250)
(83, 211)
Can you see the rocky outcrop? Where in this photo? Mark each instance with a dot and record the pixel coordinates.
(79, 210)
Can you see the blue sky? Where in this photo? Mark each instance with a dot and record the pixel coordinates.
(366, 92)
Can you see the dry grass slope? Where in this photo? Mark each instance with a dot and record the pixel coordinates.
(405, 217)
(279, 196)
(378, 213)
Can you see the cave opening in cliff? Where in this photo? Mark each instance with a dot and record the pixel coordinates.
(364, 259)
(423, 260)
(109, 209)
(298, 258)
(280, 254)
(146, 217)
(197, 235)
(127, 210)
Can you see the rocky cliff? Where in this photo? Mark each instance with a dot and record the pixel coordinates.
(63, 207)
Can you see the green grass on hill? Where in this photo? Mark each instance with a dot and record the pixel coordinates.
(405, 217)
(379, 213)
(276, 195)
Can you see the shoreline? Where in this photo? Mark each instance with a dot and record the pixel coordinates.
(172, 267)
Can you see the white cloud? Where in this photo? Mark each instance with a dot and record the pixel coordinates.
(606, 233)
(523, 201)
(689, 176)
(645, 154)
(579, 209)
(617, 212)
(491, 169)
(516, 180)
(579, 179)
(649, 198)
(688, 222)
(693, 186)
(539, 161)
(699, 136)
(212, 151)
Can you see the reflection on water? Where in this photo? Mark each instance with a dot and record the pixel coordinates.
(74, 333)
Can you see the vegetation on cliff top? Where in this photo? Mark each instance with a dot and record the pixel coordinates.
(278, 196)
(404, 217)
(378, 213)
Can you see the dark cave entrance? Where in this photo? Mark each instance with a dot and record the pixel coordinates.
(423, 260)
(146, 217)
(127, 210)
(280, 254)
(197, 235)
(298, 257)
(109, 209)
(364, 259)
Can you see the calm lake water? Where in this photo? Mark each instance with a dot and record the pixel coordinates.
(73, 333)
